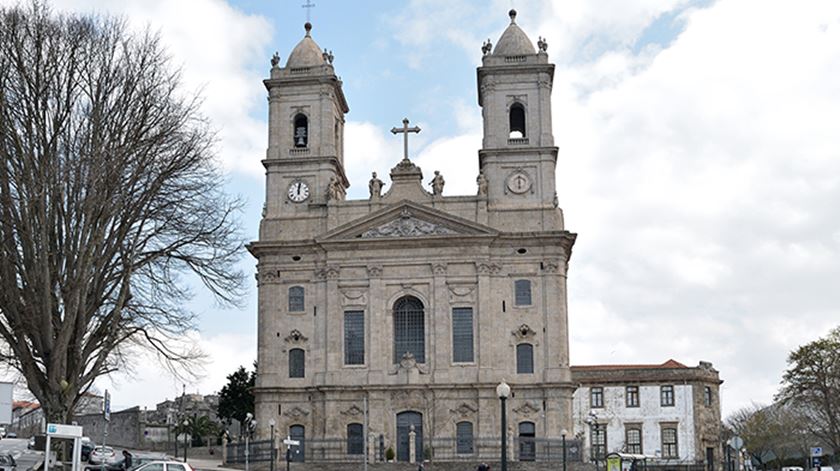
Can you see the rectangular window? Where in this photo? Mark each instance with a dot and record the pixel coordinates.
(462, 335)
(669, 442)
(354, 338)
(633, 438)
(596, 397)
(524, 358)
(707, 396)
(522, 292)
(297, 363)
(632, 396)
(297, 300)
(598, 435)
(666, 396)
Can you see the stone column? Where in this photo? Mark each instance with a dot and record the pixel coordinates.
(378, 354)
(412, 446)
(440, 346)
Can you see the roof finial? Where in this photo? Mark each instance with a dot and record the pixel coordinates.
(512, 14)
(308, 27)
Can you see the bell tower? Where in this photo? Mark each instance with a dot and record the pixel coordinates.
(305, 157)
(518, 156)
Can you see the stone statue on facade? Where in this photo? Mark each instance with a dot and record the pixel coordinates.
(542, 44)
(481, 182)
(328, 56)
(275, 59)
(334, 190)
(486, 47)
(375, 186)
(437, 183)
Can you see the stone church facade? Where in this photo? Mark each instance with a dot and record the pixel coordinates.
(412, 305)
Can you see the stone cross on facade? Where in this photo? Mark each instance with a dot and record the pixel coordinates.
(309, 5)
(405, 130)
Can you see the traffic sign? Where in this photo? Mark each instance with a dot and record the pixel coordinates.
(289, 442)
(816, 451)
(736, 442)
(107, 408)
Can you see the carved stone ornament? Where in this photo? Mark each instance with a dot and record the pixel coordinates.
(296, 413)
(439, 268)
(331, 272)
(519, 182)
(408, 361)
(523, 332)
(526, 409)
(462, 293)
(374, 271)
(484, 268)
(406, 226)
(353, 411)
(268, 277)
(551, 266)
(353, 297)
(463, 411)
(295, 338)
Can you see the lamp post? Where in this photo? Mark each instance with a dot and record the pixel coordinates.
(186, 424)
(563, 436)
(503, 391)
(271, 424)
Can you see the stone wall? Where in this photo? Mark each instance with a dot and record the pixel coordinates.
(125, 429)
(437, 466)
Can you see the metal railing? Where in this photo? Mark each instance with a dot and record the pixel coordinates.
(258, 451)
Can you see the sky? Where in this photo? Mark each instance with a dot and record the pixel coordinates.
(699, 158)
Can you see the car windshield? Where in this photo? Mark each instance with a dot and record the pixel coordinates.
(104, 449)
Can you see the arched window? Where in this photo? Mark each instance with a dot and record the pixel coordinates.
(464, 438)
(527, 442)
(297, 299)
(355, 439)
(298, 453)
(409, 329)
(522, 292)
(301, 131)
(297, 363)
(517, 121)
(524, 358)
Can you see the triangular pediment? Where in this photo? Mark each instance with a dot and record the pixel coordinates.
(407, 220)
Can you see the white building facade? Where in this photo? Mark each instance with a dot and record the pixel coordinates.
(668, 412)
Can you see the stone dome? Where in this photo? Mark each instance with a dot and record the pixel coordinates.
(514, 41)
(306, 53)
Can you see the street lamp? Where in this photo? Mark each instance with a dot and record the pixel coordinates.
(503, 391)
(186, 424)
(563, 436)
(271, 424)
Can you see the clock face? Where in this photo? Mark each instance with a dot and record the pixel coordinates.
(298, 191)
(519, 182)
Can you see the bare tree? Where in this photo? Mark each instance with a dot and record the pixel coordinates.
(109, 196)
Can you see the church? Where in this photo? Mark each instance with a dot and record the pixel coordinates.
(387, 323)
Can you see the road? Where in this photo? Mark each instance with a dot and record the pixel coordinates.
(25, 458)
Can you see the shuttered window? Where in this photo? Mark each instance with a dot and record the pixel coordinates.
(524, 358)
(297, 300)
(297, 368)
(464, 438)
(462, 335)
(522, 292)
(354, 338)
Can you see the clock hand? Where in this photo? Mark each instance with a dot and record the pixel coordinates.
(298, 188)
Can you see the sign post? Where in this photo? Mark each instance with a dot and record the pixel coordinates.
(289, 444)
(816, 454)
(106, 411)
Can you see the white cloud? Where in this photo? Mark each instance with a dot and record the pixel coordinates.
(216, 46)
(703, 181)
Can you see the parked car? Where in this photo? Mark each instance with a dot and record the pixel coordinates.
(105, 455)
(7, 463)
(165, 466)
(11, 435)
(139, 459)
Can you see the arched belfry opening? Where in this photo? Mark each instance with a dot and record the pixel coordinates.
(517, 121)
(301, 130)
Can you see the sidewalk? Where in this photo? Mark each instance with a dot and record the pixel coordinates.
(208, 464)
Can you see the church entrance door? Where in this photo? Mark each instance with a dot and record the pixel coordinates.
(404, 422)
(298, 453)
